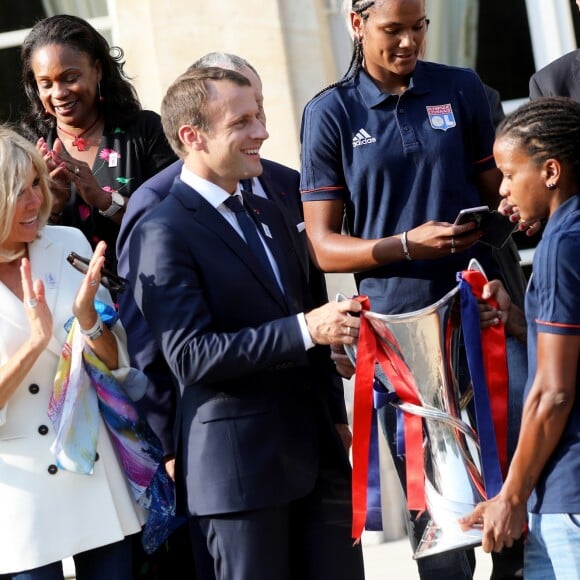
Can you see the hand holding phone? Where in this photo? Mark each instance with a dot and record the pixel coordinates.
(497, 228)
(472, 214)
(110, 281)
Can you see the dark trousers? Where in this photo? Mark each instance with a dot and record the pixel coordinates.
(174, 560)
(306, 539)
(281, 543)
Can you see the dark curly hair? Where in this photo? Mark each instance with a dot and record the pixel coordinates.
(544, 128)
(120, 102)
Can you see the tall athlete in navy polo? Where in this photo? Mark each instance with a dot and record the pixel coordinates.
(398, 147)
(397, 162)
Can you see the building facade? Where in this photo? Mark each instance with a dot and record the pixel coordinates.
(298, 46)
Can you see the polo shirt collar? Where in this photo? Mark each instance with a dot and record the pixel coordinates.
(569, 206)
(373, 96)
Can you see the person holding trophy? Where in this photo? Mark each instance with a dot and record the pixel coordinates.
(537, 149)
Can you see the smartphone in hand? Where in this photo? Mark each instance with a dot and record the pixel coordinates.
(497, 228)
(472, 214)
(109, 280)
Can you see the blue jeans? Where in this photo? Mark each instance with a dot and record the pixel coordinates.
(111, 562)
(553, 547)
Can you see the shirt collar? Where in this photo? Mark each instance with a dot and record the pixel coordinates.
(211, 192)
(373, 96)
(569, 206)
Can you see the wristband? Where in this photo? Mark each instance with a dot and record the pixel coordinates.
(95, 331)
(405, 246)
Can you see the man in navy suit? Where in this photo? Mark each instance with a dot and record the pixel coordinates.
(264, 468)
(278, 183)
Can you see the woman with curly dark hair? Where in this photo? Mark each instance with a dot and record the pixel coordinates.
(88, 124)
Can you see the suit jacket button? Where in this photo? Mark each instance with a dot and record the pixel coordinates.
(43, 429)
(33, 389)
(52, 469)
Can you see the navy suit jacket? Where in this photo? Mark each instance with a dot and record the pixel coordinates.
(282, 186)
(560, 78)
(252, 398)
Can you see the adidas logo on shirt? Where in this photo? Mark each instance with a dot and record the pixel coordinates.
(362, 138)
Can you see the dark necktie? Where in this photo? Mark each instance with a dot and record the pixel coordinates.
(250, 231)
(246, 185)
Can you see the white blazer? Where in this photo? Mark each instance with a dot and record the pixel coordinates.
(47, 514)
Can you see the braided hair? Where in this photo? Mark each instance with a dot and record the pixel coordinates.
(360, 7)
(548, 127)
(120, 102)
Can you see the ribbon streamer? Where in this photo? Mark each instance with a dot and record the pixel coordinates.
(487, 363)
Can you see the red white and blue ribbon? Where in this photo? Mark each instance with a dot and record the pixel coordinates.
(487, 363)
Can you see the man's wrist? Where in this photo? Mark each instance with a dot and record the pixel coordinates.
(306, 336)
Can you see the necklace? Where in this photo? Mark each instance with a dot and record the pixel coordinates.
(79, 142)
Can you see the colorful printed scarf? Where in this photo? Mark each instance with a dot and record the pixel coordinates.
(83, 388)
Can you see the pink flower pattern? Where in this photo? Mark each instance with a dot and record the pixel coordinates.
(106, 153)
(84, 211)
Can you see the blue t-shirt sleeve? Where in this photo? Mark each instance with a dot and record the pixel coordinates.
(482, 124)
(558, 283)
(321, 175)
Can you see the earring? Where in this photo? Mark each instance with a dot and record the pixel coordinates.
(551, 186)
(101, 98)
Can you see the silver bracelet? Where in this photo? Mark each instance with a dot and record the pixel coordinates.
(405, 246)
(94, 331)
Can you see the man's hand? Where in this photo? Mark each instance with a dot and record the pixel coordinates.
(333, 323)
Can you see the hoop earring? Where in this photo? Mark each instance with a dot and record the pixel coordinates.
(551, 186)
(101, 98)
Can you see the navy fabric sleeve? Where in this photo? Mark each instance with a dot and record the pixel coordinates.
(321, 173)
(557, 286)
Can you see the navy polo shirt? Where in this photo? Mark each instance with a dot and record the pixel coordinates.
(397, 162)
(553, 306)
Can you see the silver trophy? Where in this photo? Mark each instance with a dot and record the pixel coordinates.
(427, 341)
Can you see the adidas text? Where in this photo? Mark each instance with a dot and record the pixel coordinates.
(362, 138)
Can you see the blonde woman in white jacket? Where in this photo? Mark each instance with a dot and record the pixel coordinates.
(47, 513)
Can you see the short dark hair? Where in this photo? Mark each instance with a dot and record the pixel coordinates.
(185, 102)
(120, 102)
(547, 127)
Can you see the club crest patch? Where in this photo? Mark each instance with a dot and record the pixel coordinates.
(441, 116)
